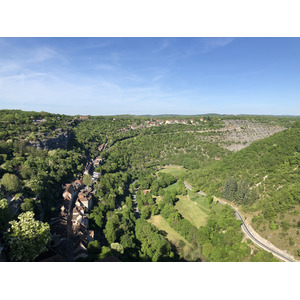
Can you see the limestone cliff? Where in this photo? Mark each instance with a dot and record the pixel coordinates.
(49, 143)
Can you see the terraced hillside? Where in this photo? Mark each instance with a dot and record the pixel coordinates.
(238, 134)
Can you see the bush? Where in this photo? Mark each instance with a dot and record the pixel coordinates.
(117, 247)
(105, 252)
(273, 226)
(291, 241)
(285, 225)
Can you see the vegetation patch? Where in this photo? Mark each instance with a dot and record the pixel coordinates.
(182, 245)
(140, 170)
(172, 187)
(176, 171)
(191, 211)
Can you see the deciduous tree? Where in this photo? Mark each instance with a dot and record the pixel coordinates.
(87, 179)
(27, 238)
(11, 182)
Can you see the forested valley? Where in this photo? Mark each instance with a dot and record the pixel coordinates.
(134, 171)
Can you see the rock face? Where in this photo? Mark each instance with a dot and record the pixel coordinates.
(61, 141)
(238, 134)
(241, 133)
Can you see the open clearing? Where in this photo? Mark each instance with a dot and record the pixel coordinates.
(172, 187)
(191, 210)
(182, 245)
(174, 170)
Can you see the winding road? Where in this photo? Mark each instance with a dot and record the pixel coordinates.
(246, 230)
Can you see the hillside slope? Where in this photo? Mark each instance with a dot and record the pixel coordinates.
(269, 168)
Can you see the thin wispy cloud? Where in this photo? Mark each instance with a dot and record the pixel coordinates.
(95, 45)
(41, 54)
(7, 66)
(206, 45)
(22, 77)
(105, 67)
(165, 43)
(148, 75)
(213, 43)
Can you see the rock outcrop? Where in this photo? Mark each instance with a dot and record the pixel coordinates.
(60, 141)
(238, 134)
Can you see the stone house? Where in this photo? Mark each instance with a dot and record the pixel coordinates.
(69, 191)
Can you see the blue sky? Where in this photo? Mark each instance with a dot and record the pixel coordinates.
(108, 76)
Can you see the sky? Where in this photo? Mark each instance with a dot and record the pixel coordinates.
(111, 76)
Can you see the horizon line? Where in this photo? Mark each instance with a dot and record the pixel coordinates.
(155, 115)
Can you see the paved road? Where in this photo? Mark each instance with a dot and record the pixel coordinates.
(199, 192)
(248, 233)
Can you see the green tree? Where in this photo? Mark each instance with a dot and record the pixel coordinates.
(112, 230)
(97, 215)
(105, 252)
(27, 205)
(117, 247)
(291, 241)
(94, 247)
(242, 193)
(128, 201)
(146, 212)
(230, 188)
(5, 215)
(10, 182)
(127, 241)
(181, 190)
(155, 187)
(27, 238)
(153, 245)
(87, 179)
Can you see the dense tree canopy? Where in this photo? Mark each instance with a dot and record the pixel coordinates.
(131, 190)
(27, 238)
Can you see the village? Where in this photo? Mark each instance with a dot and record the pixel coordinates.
(70, 230)
(157, 122)
(70, 224)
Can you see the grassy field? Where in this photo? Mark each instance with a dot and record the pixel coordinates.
(192, 211)
(184, 248)
(172, 187)
(174, 170)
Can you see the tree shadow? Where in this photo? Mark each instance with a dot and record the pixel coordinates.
(163, 233)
